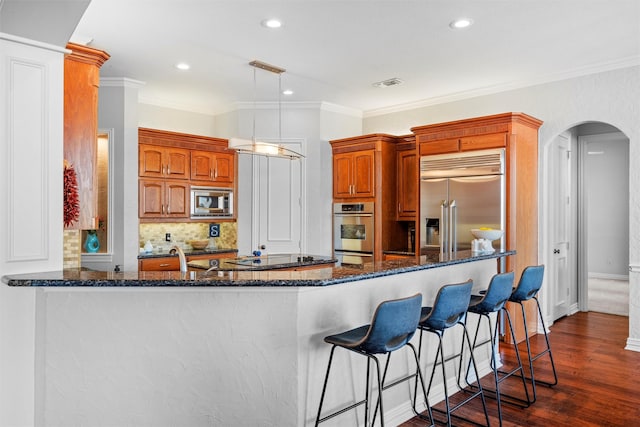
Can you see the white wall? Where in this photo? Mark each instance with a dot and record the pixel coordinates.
(611, 97)
(31, 165)
(607, 199)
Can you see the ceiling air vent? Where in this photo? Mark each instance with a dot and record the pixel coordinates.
(389, 82)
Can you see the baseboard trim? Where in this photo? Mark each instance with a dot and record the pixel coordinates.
(404, 412)
(606, 276)
(633, 344)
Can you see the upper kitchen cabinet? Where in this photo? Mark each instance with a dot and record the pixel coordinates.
(200, 159)
(81, 84)
(212, 167)
(160, 199)
(517, 134)
(163, 162)
(353, 175)
(170, 163)
(407, 180)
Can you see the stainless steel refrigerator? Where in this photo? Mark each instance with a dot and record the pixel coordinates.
(459, 192)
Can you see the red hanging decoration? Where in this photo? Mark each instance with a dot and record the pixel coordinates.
(71, 200)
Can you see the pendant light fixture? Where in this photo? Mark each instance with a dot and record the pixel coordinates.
(261, 148)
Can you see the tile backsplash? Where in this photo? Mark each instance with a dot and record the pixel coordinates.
(181, 233)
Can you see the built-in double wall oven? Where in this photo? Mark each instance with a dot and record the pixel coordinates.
(353, 232)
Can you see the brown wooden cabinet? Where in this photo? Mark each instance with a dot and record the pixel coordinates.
(163, 162)
(407, 180)
(517, 133)
(212, 167)
(163, 198)
(353, 174)
(364, 170)
(169, 163)
(172, 263)
(81, 84)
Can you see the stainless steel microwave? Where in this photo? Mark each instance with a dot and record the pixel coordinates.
(209, 202)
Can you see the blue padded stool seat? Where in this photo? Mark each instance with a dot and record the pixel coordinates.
(494, 300)
(450, 309)
(393, 325)
(527, 289)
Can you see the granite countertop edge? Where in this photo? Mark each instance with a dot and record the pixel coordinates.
(270, 278)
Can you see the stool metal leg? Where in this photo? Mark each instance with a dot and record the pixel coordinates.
(356, 404)
(497, 379)
(440, 359)
(537, 356)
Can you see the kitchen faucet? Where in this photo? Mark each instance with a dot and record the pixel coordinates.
(183, 259)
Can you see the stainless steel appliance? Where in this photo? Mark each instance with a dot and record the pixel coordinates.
(459, 192)
(353, 232)
(210, 202)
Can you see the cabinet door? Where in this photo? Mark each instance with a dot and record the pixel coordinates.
(176, 199)
(342, 175)
(150, 161)
(363, 176)
(177, 163)
(202, 165)
(163, 199)
(211, 166)
(224, 170)
(150, 199)
(407, 185)
(163, 162)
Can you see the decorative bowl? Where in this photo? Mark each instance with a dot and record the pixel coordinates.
(199, 244)
(489, 234)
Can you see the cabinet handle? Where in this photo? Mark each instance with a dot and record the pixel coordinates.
(211, 173)
(168, 210)
(164, 265)
(162, 170)
(162, 209)
(215, 173)
(168, 171)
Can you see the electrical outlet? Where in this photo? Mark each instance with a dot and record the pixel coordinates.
(167, 237)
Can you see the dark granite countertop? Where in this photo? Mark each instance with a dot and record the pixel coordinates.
(187, 252)
(313, 277)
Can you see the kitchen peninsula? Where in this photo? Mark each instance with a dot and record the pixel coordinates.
(217, 347)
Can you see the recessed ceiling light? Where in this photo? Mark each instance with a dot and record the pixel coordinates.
(182, 66)
(287, 92)
(271, 23)
(461, 23)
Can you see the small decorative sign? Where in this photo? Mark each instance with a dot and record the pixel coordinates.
(214, 230)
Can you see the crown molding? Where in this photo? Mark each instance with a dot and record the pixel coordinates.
(490, 90)
(120, 82)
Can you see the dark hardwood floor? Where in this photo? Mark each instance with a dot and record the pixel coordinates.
(598, 381)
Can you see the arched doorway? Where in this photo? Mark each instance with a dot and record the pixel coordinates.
(586, 220)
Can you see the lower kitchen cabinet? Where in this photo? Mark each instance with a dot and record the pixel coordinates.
(172, 263)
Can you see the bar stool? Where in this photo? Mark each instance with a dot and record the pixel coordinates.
(393, 325)
(450, 309)
(493, 300)
(528, 287)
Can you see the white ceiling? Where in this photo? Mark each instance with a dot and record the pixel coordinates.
(333, 50)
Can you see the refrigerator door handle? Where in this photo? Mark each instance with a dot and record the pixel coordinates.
(444, 231)
(453, 224)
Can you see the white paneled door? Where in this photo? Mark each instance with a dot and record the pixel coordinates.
(559, 277)
(277, 216)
